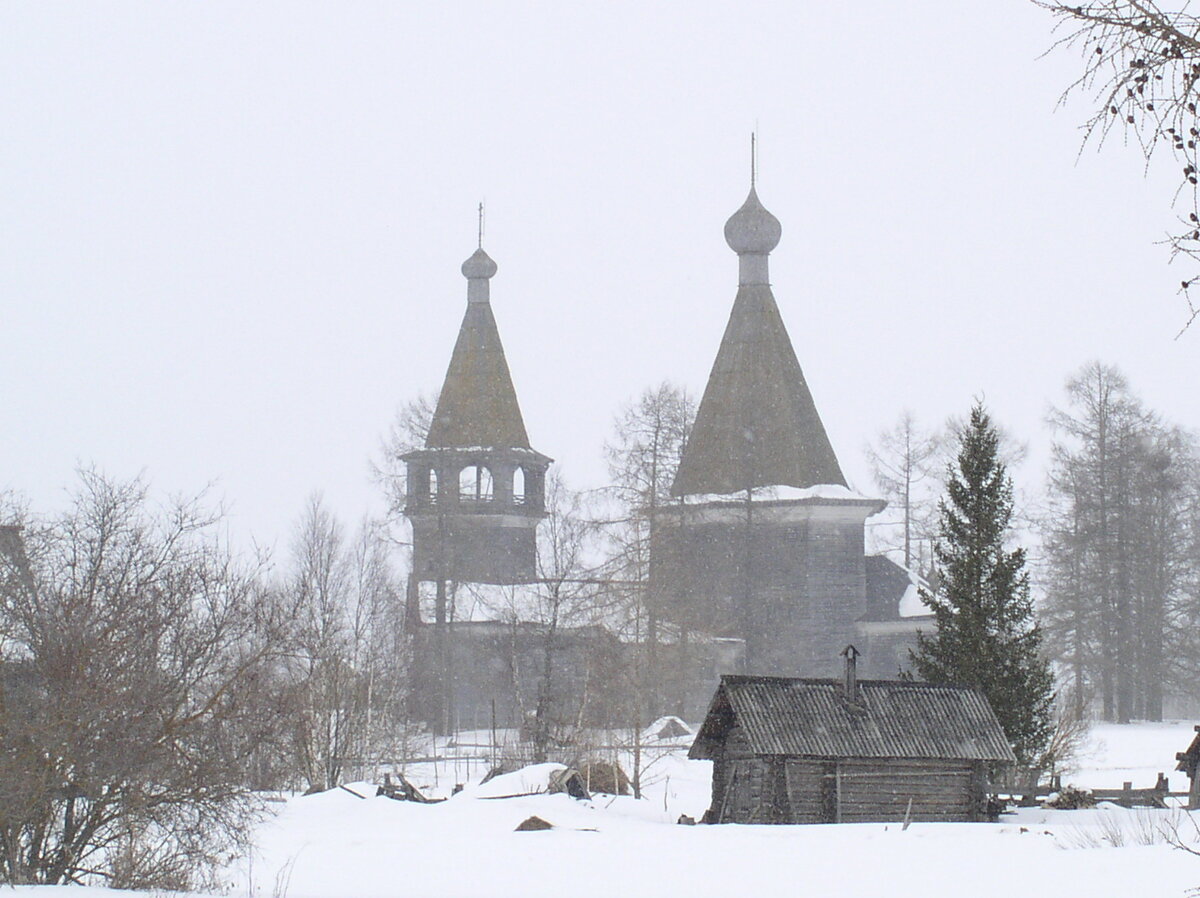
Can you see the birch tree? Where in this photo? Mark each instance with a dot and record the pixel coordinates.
(348, 657)
(643, 454)
(905, 461)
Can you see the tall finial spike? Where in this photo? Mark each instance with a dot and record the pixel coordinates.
(753, 157)
(481, 225)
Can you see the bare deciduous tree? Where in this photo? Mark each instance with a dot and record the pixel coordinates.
(649, 435)
(407, 432)
(643, 455)
(1120, 547)
(1141, 67)
(559, 599)
(905, 461)
(1089, 603)
(347, 662)
(137, 650)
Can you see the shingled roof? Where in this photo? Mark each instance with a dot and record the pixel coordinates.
(477, 406)
(757, 424)
(889, 719)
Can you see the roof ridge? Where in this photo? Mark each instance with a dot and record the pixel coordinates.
(837, 681)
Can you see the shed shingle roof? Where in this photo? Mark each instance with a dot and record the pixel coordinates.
(892, 719)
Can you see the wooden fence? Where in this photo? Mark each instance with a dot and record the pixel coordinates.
(1127, 797)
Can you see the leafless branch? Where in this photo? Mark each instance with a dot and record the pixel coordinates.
(1141, 67)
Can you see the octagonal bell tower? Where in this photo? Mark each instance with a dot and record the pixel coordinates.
(476, 491)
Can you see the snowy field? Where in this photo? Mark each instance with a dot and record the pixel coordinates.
(337, 845)
(1135, 753)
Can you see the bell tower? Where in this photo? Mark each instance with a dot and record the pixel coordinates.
(476, 491)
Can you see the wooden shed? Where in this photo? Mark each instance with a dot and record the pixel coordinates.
(790, 750)
(1189, 761)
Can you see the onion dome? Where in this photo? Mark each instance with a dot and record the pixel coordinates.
(752, 229)
(480, 265)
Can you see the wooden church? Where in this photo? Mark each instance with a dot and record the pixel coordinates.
(759, 566)
(765, 543)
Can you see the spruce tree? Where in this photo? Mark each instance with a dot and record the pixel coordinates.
(986, 636)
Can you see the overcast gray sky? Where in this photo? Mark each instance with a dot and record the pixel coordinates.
(232, 232)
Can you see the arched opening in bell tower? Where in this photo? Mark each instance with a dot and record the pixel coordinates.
(475, 484)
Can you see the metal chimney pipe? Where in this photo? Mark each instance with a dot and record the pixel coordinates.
(851, 655)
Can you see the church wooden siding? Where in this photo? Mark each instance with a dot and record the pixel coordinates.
(765, 769)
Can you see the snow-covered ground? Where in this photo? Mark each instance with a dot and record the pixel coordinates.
(336, 845)
(1135, 753)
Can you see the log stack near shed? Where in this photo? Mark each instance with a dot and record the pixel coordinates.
(795, 750)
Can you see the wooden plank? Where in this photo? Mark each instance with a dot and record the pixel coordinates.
(828, 792)
(730, 785)
(882, 791)
(837, 813)
(1132, 798)
(744, 792)
(810, 791)
(804, 781)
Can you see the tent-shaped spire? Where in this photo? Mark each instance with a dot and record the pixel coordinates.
(14, 564)
(757, 424)
(478, 405)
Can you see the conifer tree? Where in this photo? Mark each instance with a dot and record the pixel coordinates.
(986, 633)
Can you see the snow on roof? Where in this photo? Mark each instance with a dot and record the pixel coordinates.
(467, 450)
(668, 727)
(911, 603)
(834, 491)
(531, 780)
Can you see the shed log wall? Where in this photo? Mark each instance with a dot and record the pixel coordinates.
(871, 792)
(790, 790)
(809, 791)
